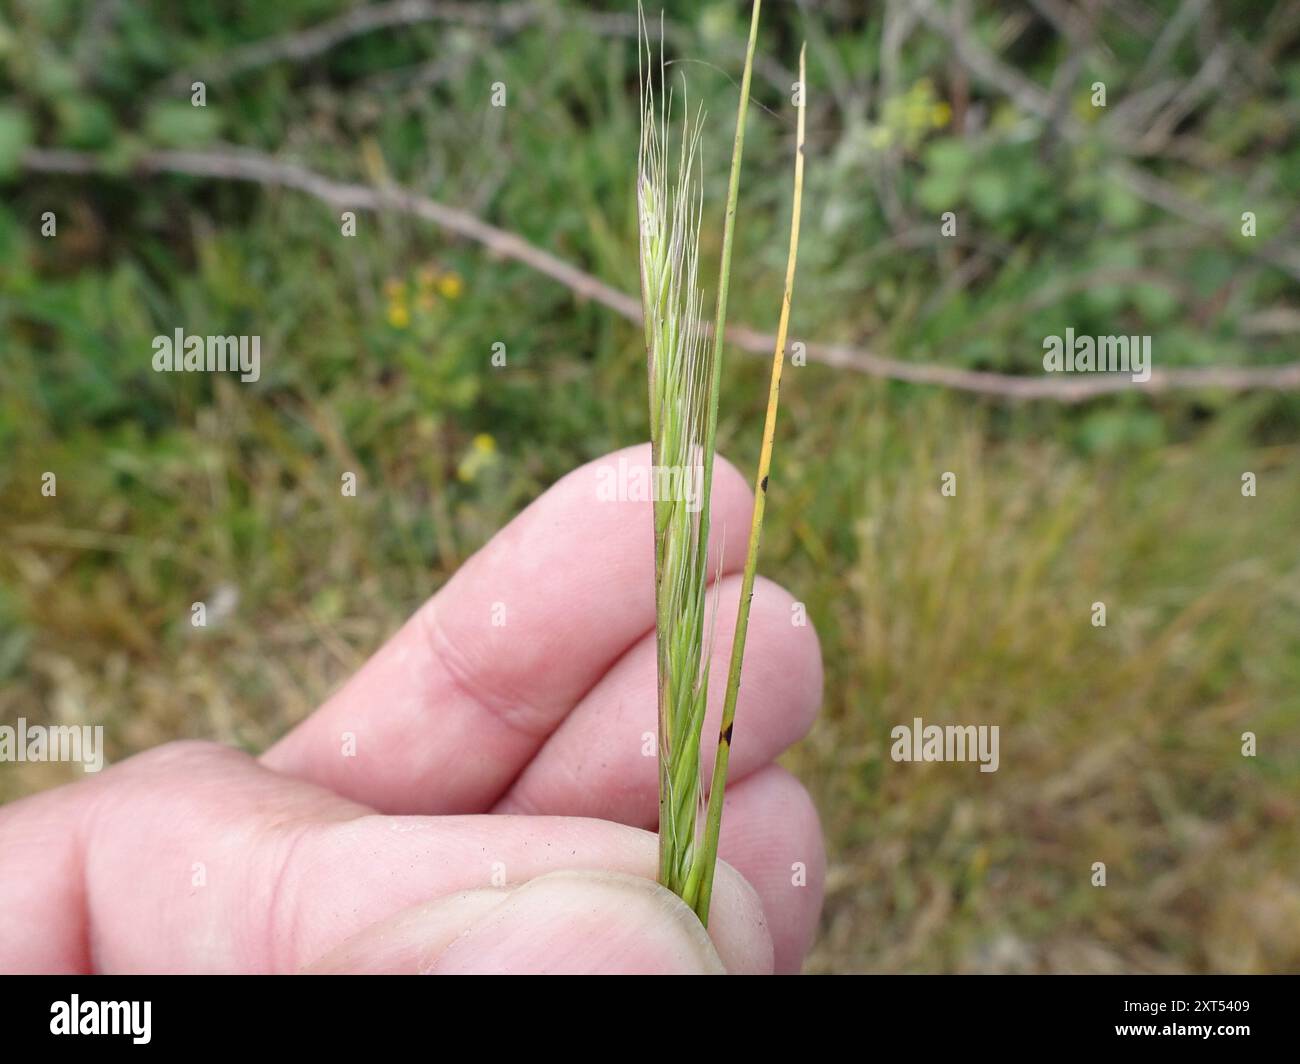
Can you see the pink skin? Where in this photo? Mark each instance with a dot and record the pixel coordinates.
(486, 757)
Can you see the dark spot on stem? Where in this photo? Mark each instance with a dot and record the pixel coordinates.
(764, 485)
(725, 737)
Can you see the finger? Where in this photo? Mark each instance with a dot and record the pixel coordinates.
(449, 711)
(424, 857)
(559, 923)
(410, 941)
(601, 761)
(772, 836)
(572, 923)
(249, 871)
(159, 862)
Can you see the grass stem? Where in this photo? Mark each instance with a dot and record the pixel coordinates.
(700, 888)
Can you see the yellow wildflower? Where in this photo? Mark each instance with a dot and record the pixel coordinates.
(481, 454)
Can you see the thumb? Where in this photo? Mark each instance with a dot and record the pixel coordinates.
(567, 922)
(601, 923)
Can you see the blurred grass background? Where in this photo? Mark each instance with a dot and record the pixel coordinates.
(1119, 744)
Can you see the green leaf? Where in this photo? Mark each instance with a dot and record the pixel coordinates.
(52, 76)
(181, 125)
(1156, 302)
(947, 162)
(990, 193)
(84, 122)
(15, 137)
(1119, 206)
(1111, 431)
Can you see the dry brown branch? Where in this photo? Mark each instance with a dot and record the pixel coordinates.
(265, 170)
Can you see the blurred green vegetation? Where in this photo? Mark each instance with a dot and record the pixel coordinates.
(1119, 744)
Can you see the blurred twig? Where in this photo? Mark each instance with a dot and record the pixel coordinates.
(96, 29)
(1207, 80)
(1184, 18)
(265, 170)
(1030, 97)
(508, 17)
(320, 38)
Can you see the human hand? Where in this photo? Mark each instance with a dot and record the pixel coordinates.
(497, 809)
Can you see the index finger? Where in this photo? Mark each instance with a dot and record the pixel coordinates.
(446, 715)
